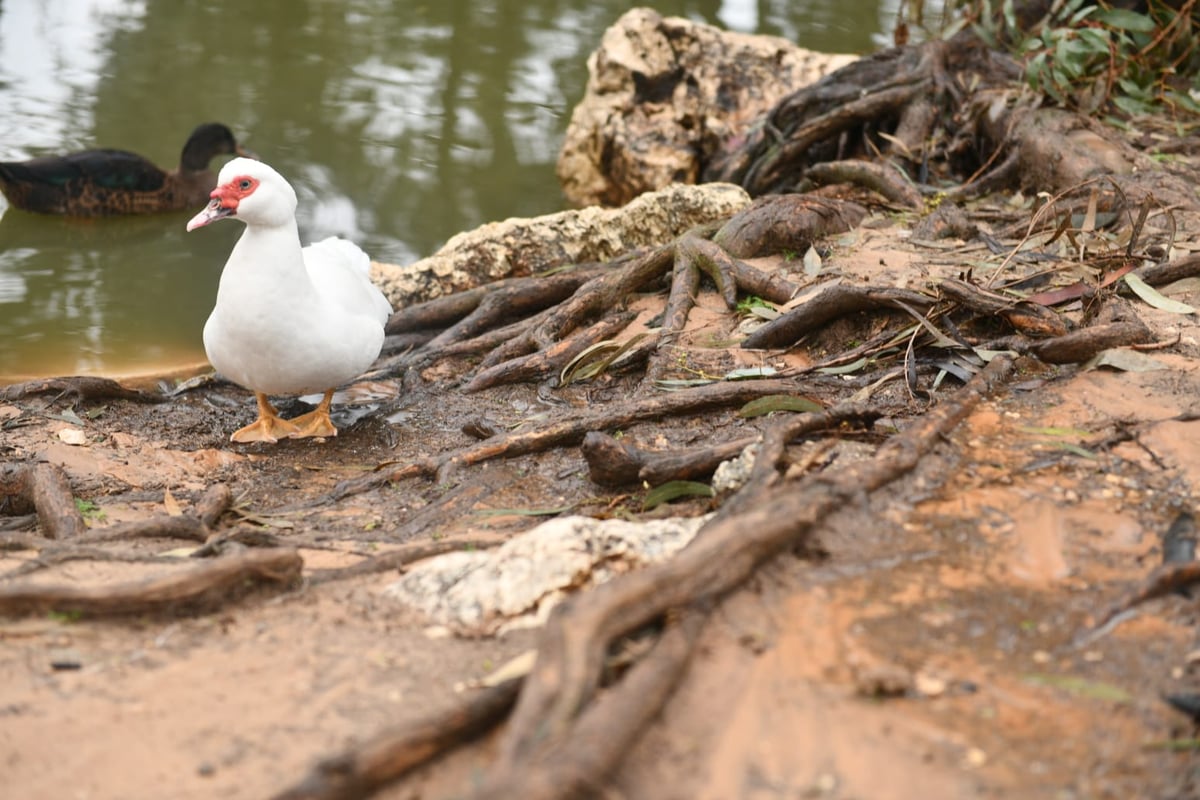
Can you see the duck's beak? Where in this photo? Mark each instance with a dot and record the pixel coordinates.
(215, 210)
(246, 152)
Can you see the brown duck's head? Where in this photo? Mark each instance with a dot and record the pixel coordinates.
(206, 142)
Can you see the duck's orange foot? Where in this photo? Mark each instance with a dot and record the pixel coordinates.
(268, 427)
(265, 429)
(314, 423)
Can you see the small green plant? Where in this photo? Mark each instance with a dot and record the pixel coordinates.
(745, 305)
(90, 511)
(1096, 58)
(66, 617)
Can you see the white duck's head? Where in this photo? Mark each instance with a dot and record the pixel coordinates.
(251, 191)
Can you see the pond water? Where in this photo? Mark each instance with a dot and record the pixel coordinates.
(399, 124)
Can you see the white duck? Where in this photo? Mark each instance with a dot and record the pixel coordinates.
(288, 320)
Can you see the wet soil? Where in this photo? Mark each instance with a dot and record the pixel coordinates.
(936, 642)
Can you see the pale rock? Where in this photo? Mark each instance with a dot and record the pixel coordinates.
(517, 584)
(731, 475)
(663, 93)
(520, 247)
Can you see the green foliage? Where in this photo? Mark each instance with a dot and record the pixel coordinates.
(90, 511)
(1099, 60)
(746, 304)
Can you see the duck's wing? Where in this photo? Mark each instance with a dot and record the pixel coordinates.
(110, 170)
(341, 271)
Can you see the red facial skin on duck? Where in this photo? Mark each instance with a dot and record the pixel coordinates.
(225, 199)
(230, 194)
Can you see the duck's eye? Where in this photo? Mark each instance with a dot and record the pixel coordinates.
(244, 184)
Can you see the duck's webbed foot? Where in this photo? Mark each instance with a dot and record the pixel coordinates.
(315, 422)
(268, 427)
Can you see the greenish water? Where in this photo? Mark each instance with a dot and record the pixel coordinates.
(399, 124)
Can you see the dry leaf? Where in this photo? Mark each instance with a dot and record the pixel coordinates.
(171, 504)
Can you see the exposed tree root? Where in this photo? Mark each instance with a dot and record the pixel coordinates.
(557, 695)
(465, 315)
(1161, 274)
(884, 179)
(209, 585)
(835, 300)
(1117, 326)
(615, 463)
(580, 764)
(1027, 318)
(581, 307)
(572, 428)
(405, 554)
(48, 558)
(44, 488)
(550, 360)
(566, 734)
(78, 388)
(391, 754)
(1167, 579)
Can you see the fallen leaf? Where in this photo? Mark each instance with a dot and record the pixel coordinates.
(812, 262)
(171, 504)
(1125, 360)
(777, 402)
(1151, 296)
(673, 490)
(1081, 687)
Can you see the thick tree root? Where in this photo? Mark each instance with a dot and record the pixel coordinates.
(884, 179)
(1027, 318)
(359, 772)
(580, 764)
(78, 388)
(204, 587)
(614, 463)
(1117, 326)
(550, 360)
(589, 298)
(565, 679)
(44, 488)
(836, 300)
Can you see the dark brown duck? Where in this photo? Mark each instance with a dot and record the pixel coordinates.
(96, 183)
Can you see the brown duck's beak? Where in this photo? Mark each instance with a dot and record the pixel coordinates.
(215, 210)
(246, 152)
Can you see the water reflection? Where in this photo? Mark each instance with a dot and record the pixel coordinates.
(399, 123)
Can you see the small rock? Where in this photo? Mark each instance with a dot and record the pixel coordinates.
(65, 659)
(883, 680)
(732, 475)
(974, 758)
(929, 685)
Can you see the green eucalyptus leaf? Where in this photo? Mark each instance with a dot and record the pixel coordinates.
(1152, 296)
(1125, 20)
(778, 402)
(673, 490)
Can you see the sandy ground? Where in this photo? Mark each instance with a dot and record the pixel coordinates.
(935, 644)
